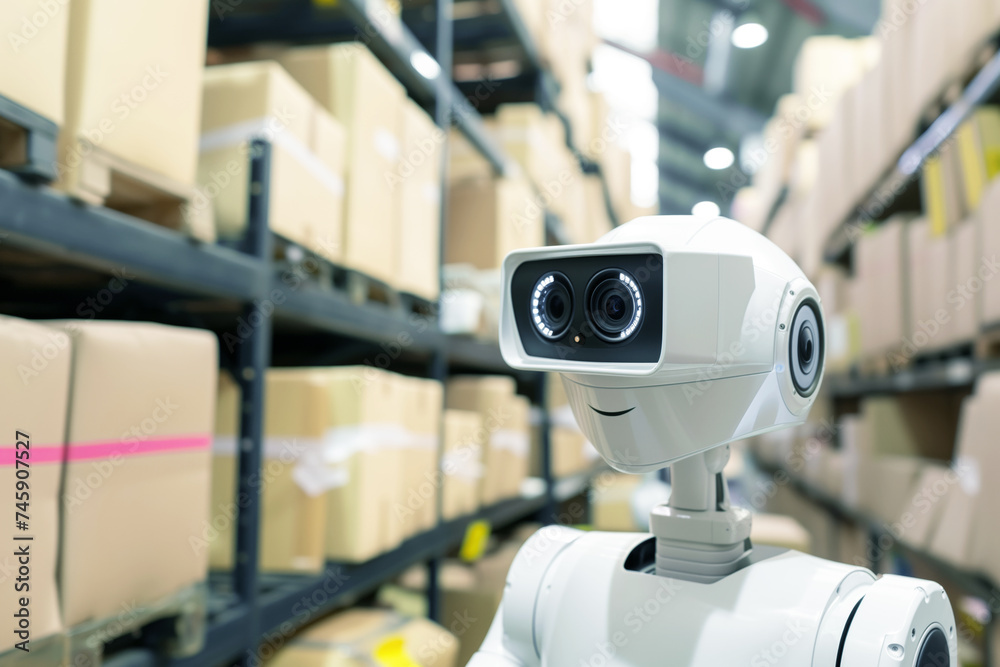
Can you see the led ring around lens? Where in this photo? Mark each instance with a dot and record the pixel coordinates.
(552, 305)
(615, 309)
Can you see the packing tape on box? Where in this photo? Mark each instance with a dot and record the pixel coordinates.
(238, 134)
(459, 464)
(515, 442)
(386, 144)
(131, 446)
(38, 454)
(310, 472)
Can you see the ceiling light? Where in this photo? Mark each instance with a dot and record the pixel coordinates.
(706, 209)
(719, 158)
(749, 36)
(423, 63)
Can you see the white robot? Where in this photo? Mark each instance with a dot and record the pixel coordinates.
(675, 336)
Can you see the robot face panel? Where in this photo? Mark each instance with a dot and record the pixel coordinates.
(601, 308)
(673, 335)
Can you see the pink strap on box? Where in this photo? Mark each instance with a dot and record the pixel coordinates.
(89, 451)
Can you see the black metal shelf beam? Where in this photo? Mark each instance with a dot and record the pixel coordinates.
(957, 373)
(980, 90)
(48, 222)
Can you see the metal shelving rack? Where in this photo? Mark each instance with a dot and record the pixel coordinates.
(183, 281)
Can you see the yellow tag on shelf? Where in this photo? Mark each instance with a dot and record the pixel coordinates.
(392, 653)
(325, 3)
(477, 535)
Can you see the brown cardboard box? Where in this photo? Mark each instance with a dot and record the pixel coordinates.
(917, 424)
(530, 137)
(358, 637)
(133, 85)
(260, 99)
(883, 269)
(779, 531)
(826, 67)
(505, 420)
(611, 503)
(33, 68)
(886, 484)
(989, 220)
(293, 489)
(36, 362)
(137, 482)
(424, 402)
(964, 284)
(489, 218)
(929, 273)
(977, 463)
(328, 141)
(419, 222)
(360, 93)
(926, 505)
(366, 438)
(461, 463)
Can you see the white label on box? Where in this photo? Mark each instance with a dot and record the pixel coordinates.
(461, 465)
(386, 144)
(838, 336)
(563, 416)
(969, 475)
(431, 193)
(341, 443)
(515, 442)
(315, 478)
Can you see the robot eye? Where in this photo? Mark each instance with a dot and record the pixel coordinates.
(551, 306)
(806, 348)
(615, 308)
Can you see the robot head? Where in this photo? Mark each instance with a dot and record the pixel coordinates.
(673, 335)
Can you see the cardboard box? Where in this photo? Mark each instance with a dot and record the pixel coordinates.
(489, 218)
(929, 275)
(883, 270)
(505, 419)
(611, 503)
(133, 85)
(826, 67)
(33, 67)
(247, 100)
(367, 438)
(461, 463)
(977, 462)
(598, 220)
(964, 284)
(989, 221)
(885, 486)
(293, 491)
(358, 637)
(915, 425)
(423, 404)
(360, 92)
(926, 505)
(418, 229)
(136, 486)
(36, 362)
(527, 136)
(779, 531)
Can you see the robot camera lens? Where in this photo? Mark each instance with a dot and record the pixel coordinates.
(806, 347)
(552, 305)
(615, 309)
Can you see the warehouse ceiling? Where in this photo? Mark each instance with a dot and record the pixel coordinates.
(713, 94)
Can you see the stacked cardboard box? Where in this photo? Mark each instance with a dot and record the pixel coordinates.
(33, 69)
(505, 421)
(570, 450)
(989, 233)
(490, 217)
(350, 82)
(133, 86)
(32, 467)
(370, 636)
(137, 477)
(418, 224)
(461, 463)
(260, 99)
(883, 275)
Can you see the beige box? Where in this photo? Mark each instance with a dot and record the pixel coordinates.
(33, 66)
(930, 314)
(366, 438)
(989, 220)
(883, 270)
(418, 225)
(423, 405)
(489, 218)
(926, 505)
(293, 489)
(461, 463)
(246, 100)
(964, 283)
(133, 85)
(977, 461)
(826, 67)
(529, 136)
(885, 486)
(136, 486)
(353, 85)
(36, 362)
(358, 637)
(916, 424)
(611, 503)
(328, 141)
(505, 420)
